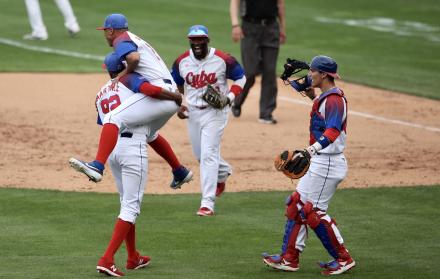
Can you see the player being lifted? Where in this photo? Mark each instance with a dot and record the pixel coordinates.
(308, 204)
(194, 71)
(141, 60)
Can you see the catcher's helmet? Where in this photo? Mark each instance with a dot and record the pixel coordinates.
(325, 64)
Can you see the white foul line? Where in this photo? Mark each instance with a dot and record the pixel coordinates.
(370, 116)
(51, 50)
(101, 58)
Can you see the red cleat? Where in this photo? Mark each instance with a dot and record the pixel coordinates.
(220, 189)
(108, 268)
(141, 262)
(204, 211)
(280, 263)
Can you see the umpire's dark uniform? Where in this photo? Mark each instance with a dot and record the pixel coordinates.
(259, 52)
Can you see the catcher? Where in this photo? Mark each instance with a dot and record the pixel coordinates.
(320, 167)
(201, 73)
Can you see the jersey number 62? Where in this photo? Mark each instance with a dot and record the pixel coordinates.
(110, 104)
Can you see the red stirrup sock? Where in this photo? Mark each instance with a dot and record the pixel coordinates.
(163, 148)
(130, 243)
(119, 234)
(107, 142)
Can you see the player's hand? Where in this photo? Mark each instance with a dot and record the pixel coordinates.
(114, 85)
(237, 33)
(310, 92)
(282, 37)
(183, 112)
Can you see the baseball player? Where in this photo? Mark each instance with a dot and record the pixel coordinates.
(129, 164)
(309, 203)
(39, 31)
(138, 55)
(193, 71)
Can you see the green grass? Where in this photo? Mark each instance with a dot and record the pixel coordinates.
(391, 232)
(408, 64)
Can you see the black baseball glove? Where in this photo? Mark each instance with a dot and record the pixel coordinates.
(215, 98)
(292, 67)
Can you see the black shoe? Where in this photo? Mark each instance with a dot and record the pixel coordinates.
(236, 110)
(268, 120)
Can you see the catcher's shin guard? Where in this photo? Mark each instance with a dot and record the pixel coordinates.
(326, 230)
(295, 230)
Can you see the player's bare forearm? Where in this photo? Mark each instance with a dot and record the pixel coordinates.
(237, 32)
(282, 20)
(233, 12)
(132, 60)
(160, 93)
(167, 95)
(180, 88)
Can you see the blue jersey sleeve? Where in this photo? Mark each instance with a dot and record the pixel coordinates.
(133, 81)
(98, 121)
(234, 70)
(124, 48)
(334, 112)
(175, 73)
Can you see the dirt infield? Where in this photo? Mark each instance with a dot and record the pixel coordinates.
(47, 118)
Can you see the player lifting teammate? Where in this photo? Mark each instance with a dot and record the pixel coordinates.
(141, 59)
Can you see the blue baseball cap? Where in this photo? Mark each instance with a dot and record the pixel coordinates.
(198, 31)
(112, 63)
(325, 64)
(114, 21)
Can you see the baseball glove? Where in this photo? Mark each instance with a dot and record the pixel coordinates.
(293, 164)
(292, 67)
(215, 98)
(301, 84)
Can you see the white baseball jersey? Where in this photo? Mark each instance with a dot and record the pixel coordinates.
(215, 69)
(151, 65)
(108, 100)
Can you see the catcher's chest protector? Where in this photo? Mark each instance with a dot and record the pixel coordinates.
(317, 121)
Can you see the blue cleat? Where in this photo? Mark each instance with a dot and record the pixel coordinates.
(94, 170)
(180, 176)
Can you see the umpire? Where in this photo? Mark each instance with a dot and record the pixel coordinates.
(261, 31)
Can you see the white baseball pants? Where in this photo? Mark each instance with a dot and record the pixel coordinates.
(140, 110)
(206, 128)
(319, 183)
(36, 18)
(129, 165)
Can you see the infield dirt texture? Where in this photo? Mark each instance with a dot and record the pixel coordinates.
(389, 58)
